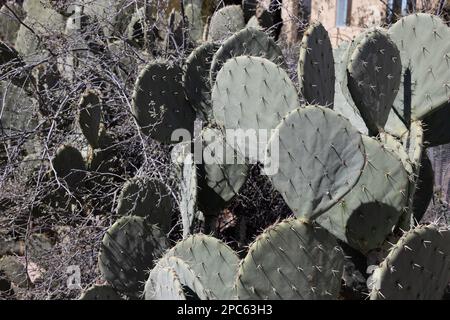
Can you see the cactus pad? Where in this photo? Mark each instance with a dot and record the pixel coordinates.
(368, 213)
(196, 78)
(252, 93)
(424, 44)
(100, 292)
(249, 41)
(89, 116)
(225, 22)
(69, 165)
(374, 73)
(127, 252)
(292, 260)
(321, 157)
(163, 284)
(159, 102)
(417, 267)
(212, 261)
(316, 67)
(225, 170)
(146, 198)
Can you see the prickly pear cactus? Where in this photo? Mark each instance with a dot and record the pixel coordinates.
(159, 103)
(225, 169)
(212, 261)
(321, 157)
(417, 267)
(252, 93)
(100, 292)
(128, 250)
(424, 44)
(190, 282)
(370, 211)
(147, 198)
(248, 41)
(69, 165)
(374, 72)
(316, 67)
(163, 284)
(293, 260)
(343, 104)
(249, 8)
(89, 116)
(225, 22)
(188, 191)
(196, 78)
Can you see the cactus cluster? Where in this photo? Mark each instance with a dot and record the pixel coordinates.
(348, 141)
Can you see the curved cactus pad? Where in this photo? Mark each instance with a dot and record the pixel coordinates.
(186, 276)
(127, 252)
(249, 41)
(225, 22)
(320, 159)
(417, 267)
(196, 78)
(292, 260)
(69, 165)
(159, 102)
(368, 213)
(89, 116)
(146, 198)
(254, 94)
(316, 67)
(212, 260)
(188, 191)
(424, 44)
(100, 292)
(163, 284)
(225, 170)
(374, 73)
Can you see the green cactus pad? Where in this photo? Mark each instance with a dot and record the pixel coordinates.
(370, 211)
(100, 292)
(417, 267)
(252, 93)
(249, 41)
(316, 67)
(89, 116)
(424, 44)
(147, 198)
(188, 191)
(128, 250)
(292, 260)
(225, 22)
(212, 261)
(321, 157)
(69, 165)
(374, 73)
(343, 103)
(186, 276)
(159, 102)
(225, 170)
(196, 78)
(163, 284)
